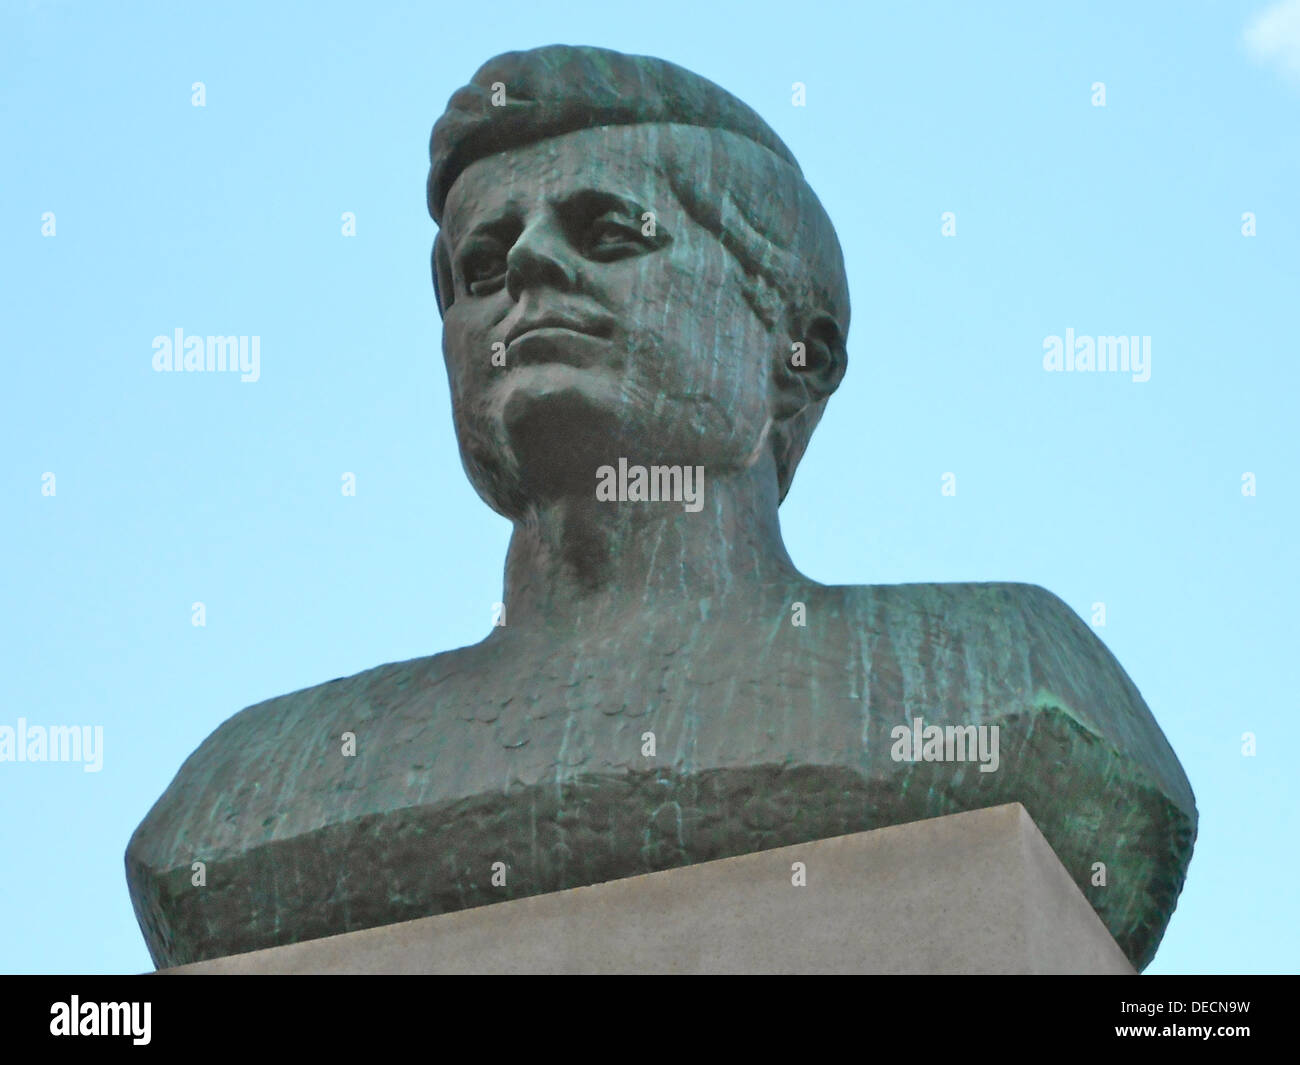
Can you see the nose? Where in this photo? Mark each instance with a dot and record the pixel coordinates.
(540, 257)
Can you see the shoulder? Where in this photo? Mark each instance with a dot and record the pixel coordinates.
(1016, 640)
(290, 745)
(1023, 643)
(981, 614)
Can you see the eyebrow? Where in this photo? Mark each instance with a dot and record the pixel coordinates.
(602, 200)
(488, 227)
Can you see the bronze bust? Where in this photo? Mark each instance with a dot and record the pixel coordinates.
(645, 311)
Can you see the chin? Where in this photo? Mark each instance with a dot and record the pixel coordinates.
(541, 434)
(554, 408)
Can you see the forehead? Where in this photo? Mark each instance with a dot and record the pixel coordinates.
(628, 161)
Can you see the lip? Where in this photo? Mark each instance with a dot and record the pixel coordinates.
(593, 327)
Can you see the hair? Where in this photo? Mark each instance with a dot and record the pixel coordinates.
(755, 200)
(763, 212)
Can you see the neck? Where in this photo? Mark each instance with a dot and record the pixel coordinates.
(575, 563)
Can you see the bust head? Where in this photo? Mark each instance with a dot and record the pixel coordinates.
(627, 258)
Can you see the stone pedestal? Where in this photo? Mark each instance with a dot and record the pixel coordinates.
(977, 892)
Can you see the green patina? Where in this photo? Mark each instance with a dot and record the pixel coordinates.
(627, 617)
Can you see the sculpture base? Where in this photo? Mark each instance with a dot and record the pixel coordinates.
(977, 892)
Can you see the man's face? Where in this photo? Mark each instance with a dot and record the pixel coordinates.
(621, 335)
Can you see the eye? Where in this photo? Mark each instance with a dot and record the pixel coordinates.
(483, 266)
(609, 237)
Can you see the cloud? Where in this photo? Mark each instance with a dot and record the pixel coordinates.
(1273, 37)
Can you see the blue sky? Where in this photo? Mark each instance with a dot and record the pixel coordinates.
(225, 219)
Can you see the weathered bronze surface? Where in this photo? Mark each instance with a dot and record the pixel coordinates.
(627, 259)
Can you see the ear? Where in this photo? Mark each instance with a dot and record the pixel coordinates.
(813, 367)
(443, 287)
